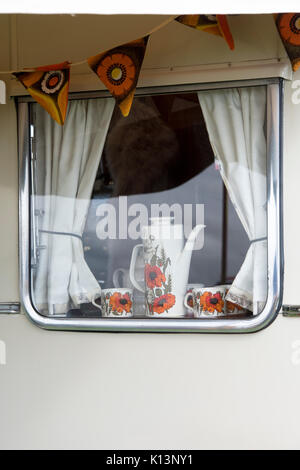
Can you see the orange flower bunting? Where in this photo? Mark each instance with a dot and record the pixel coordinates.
(49, 86)
(214, 24)
(119, 70)
(225, 30)
(288, 25)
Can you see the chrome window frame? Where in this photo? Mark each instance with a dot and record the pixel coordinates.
(274, 225)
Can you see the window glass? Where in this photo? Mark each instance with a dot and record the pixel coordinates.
(161, 214)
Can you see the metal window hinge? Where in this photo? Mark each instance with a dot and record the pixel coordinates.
(9, 307)
(290, 310)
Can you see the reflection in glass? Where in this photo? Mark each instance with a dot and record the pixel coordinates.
(100, 181)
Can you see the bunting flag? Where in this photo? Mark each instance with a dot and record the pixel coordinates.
(214, 24)
(119, 70)
(49, 86)
(288, 25)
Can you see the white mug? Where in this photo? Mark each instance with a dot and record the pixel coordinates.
(116, 303)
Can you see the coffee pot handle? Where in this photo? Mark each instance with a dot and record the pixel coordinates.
(132, 267)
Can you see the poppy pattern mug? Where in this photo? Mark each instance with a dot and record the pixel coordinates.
(207, 301)
(211, 302)
(116, 303)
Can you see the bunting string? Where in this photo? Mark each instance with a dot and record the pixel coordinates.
(81, 62)
(117, 68)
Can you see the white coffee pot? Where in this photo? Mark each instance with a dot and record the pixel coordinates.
(167, 263)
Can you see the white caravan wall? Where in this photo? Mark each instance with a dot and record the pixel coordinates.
(291, 171)
(96, 390)
(8, 204)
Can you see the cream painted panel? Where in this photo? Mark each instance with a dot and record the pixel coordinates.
(255, 38)
(122, 391)
(291, 191)
(54, 38)
(5, 39)
(175, 54)
(93, 390)
(8, 204)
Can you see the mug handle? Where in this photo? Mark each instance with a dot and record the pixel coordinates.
(116, 277)
(185, 301)
(132, 267)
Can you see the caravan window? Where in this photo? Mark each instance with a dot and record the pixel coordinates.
(159, 221)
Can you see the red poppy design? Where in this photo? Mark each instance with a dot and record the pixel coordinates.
(154, 277)
(210, 302)
(120, 302)
(163, 303)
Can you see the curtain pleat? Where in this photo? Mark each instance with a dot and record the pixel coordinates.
(69, 156)
(235, 120)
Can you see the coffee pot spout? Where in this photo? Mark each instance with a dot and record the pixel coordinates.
(184, 258)
(189, 245)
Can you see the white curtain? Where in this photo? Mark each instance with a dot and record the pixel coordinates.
(235, 120)
(67, 161)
